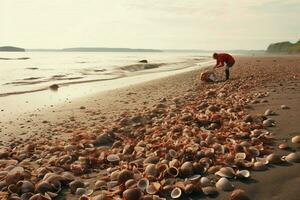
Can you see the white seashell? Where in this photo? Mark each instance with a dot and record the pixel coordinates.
(143, 183)
(224, 184)
(240, 156)
(113, 158)
(296, 139)
(284, 107)
(262, 160)
(269, 112)
(259, 166)
(153, 188)
(243, 174)
(176, 193)
(269, 122)
(195, 178)
(274, 159)
(292, 158)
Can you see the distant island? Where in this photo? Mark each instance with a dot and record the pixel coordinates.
(284, 47)
(103, 49)
(11, 48)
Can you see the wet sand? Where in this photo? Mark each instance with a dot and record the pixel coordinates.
(266, 73)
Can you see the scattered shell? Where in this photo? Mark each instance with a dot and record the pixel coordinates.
(186, 169)
(100, 185)
(101, 196)
(151, 170)
(153, 188)
(83, 191)
(292, 158)
(269, 112)
(209, 191)
(176, 193)
(269, 123)
(132, 194)
(296, 139)
(204, 181)
(172, 153)
(283, 146)
(75, 184)
(113, 158)
(224, 184)
(243, 174)
(143, 183)
(124, 176)
(227, 172)
(259, 166)
(240, 156)
(238, 194)
(172, 171)
(284, 107)
(274, 159)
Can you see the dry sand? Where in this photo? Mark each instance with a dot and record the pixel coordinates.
(280, 182)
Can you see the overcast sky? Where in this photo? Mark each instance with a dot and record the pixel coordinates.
(162, 24)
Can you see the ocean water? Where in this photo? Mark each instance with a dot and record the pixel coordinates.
(25, 77)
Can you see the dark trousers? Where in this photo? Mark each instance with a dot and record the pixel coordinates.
(227, 70)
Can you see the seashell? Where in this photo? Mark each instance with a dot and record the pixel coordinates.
(189, 188)
(40, 196)
(296, 139)
(204, 181)
(259, 166)
(209, 190)
(113, 158)
(153, 188)
(243, 174)
(174, 163)
(213, 169)
(238, 194)
(132, 194)
(176, 193)
(12, 188)
(101, 196)
(148, 197)
(227, 172)
(195, 178)
(43, 187)
(124, 176)
(284, 107)
(142, 184)
(14, 175)
(151, 170)
(100, 185)
(224, 184)
(186, 169)
(172, 153)
(112, 184)
(254, 151)
(151, 160)
(104, 139)
(198, 168)
(83, 191)
(26, 196)
(292, 158)
(26, 187)
(240, 156)
(269, 123)
(283, 146)
(269, 112)
(274, 159)
(172, 171)
(74, 185)
(130, 183)
(114, 175)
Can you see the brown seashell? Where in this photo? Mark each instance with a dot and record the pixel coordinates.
(132, 194)
(227, 172)
(172, 153)
(100, 185)
(174, 163)
(26, 196)
(283, 146)
(40, 197)
(151, 160)
(172, 171)
(130, 183)
(292, 158)
(213, 169)
(153, 188)
(25, 187)
(274, 159)
(151, 170)
(238, 194)
(83, 191)
(124, 176)
(142, 184)
(296, 139)
(104, 139)
(74, 185)
(243, 174)
(198, 168)
(186, 169)
(209, 190)
(113, 158)
(14, 175)
(259, 166)
(43, 187)
(101, 196)
(189, 188)
(114, 175)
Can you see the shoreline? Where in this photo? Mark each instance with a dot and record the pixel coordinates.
(259, 75)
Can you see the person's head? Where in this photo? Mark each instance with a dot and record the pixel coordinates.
(215, 56)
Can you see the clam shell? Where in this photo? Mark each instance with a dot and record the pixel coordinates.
(124, 176)
(174, 163)
(283, 146)
(172, 153)
(224, 184)
(227, 172)
(296, 139)
(284, 107)
(240, 156)
(113, 158)
(189, 188)
(292, 158)
(101, 196)
(274, 159)
(100, 185)
(238, 194)
(40, 196)
(132, 194)
(243, 173)
(209, 191)
(172, 171)
(259, 166)
(42, 187)
(176, 193)
(186, 169)
(74, 185)
(153, 188)
(143, 183)
(130, 183)
(204, 181)
(269, 112)
(83, 191)
(269, 123)
(26, 187)
(151, 170)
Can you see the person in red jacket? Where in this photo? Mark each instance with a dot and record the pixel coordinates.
(224, 58)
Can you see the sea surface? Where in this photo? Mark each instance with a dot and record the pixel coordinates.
(25, 77)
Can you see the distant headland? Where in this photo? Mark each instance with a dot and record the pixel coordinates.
(11, 48)
(284, 47)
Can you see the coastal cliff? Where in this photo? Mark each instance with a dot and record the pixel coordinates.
(284, 47)
(11, 48)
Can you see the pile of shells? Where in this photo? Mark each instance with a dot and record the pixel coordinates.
(196, 145)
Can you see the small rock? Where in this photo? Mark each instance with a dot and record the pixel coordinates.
(54, 87)
(284, 107)
(143, 61)
(82, 107)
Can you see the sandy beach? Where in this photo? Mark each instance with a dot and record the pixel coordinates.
(258, 83)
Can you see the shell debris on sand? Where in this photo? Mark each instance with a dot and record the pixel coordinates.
(198, 143)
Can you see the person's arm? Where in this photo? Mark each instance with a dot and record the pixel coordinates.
(219, 64)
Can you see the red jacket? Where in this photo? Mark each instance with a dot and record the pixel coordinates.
(225, 57)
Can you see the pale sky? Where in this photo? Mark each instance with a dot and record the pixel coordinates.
(160, 24)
